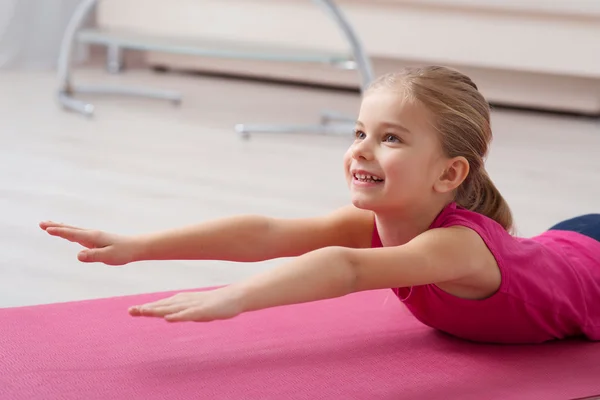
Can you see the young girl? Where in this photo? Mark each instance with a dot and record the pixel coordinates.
(425, 221)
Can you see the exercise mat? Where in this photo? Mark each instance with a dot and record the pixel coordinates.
(361, 346)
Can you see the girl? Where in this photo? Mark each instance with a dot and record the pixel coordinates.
(425, 220)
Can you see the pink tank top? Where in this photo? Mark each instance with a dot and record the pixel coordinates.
(550, 287)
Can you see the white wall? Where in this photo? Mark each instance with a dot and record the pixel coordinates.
(31, 32)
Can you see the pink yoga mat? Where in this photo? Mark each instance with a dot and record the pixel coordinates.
(362, 346)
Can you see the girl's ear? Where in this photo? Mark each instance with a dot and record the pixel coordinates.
(455, 172)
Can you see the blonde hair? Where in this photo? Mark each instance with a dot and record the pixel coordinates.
(462, 118)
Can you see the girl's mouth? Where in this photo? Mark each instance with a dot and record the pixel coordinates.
(364, 178)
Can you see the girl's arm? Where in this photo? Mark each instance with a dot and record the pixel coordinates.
(245, 238)
(250, 238)
(438, 255)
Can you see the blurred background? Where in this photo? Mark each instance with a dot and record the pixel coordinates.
(139, 115)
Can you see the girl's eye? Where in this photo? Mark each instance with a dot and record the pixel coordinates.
(387, 138)
(359, 134)
(391, 138)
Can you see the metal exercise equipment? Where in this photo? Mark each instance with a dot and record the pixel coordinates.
(115, 41)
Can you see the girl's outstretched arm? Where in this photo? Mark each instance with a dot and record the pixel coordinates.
(435, 256)
(438, 255)
(243, 238)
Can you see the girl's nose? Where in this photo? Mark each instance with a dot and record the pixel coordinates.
(362, 150)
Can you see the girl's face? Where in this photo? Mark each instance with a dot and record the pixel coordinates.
(396, 157)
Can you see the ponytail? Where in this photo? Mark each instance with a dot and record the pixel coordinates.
(479, 194)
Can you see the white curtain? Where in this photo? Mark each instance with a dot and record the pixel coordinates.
(31, 32)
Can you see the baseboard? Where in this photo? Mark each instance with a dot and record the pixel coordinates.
(535, 91)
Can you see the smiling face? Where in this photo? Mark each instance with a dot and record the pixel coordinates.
(396, 160)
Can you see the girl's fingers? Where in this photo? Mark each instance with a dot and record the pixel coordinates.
(102, 255)
(158, 311)
(188, 314)
(73, 235)
(141, 309)
(90, 239)
(173, 304)
(179, 298)
(51, 224)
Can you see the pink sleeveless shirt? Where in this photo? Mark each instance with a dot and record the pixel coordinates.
(550, 287)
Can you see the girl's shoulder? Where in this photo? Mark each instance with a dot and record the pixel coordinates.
(491, 232)
(453, 215)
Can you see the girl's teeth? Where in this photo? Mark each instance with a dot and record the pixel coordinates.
(367, 177)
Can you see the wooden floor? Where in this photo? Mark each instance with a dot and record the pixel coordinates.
(143, 165)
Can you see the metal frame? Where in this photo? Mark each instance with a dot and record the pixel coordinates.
(363, 66)
(67, 89)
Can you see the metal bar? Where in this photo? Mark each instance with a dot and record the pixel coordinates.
(114, 59)
(73, 104)
(82, 11)
(160, 94)
(210, 48)
(363, 62)
(363, 66)
(244, 130)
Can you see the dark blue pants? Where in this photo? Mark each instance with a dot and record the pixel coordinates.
(588, 225)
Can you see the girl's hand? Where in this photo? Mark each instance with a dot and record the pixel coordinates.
(223, 303)
(101, 246)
